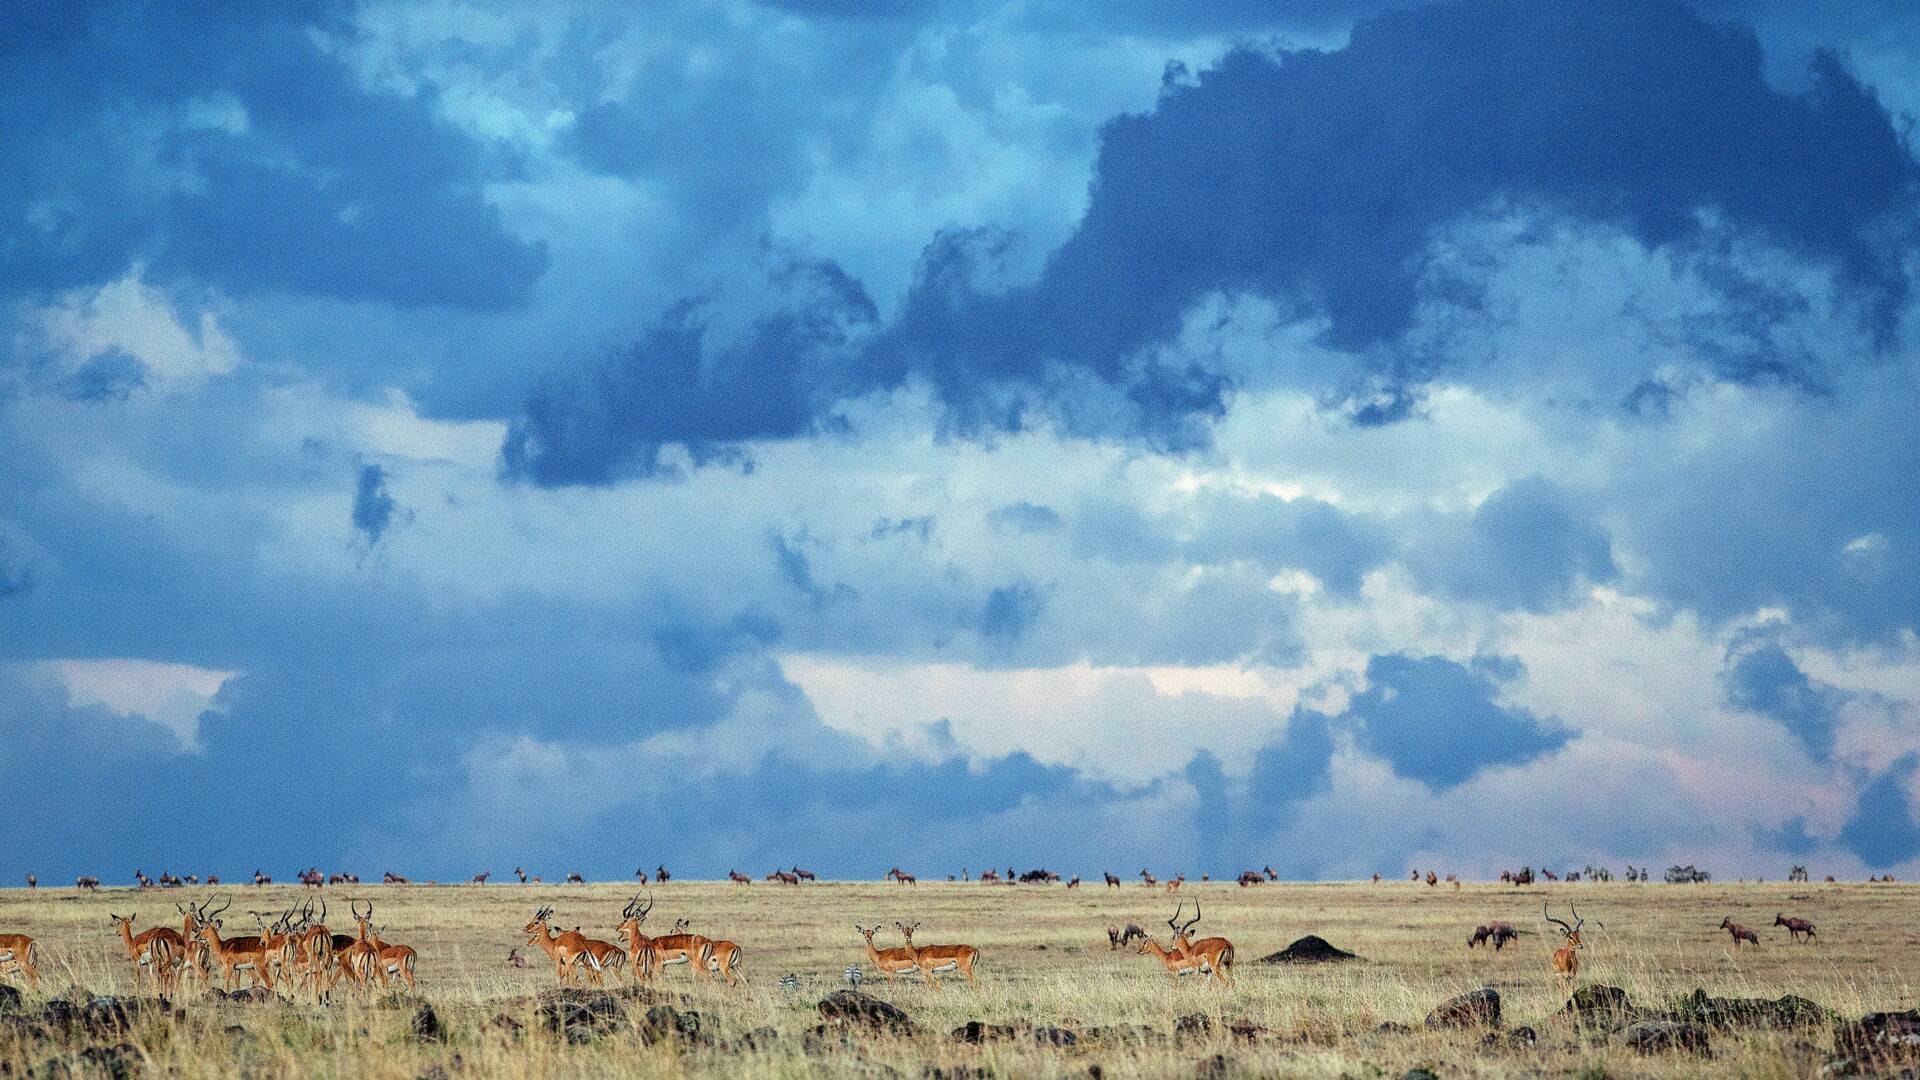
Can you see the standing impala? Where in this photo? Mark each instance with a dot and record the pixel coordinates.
(17, 952)
(680, 947)
(1213, 955)
(888, 962)
(1566, 959)
(389, 961)
(234, 955)
(565, 948)
(157, 951)
(931, 959)
(640, 954)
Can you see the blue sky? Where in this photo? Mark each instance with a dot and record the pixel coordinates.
(1339, 436)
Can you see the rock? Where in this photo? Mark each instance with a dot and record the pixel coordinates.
(1479, 1008)
(973, 1031)
(58, 1013)
(761, 1038)
(252, 995)
(1669, 1036)
(664, 1023)
(853, 1008)
(1139, 1034)
(10, 999)
(1055, 1036)
(1393, 1027)
(1878, 1036)
(579, 1014)
(1217, 1067)
(1193, 1025)
(1245, 1030)
(505, 1025)
(120, 1061)
(1598, 999)
(1780, 1013)
(425, 1025)
(956, 1072)
(1311, 949)
(826, 1040)
(1419, 1072)
(1520, 1038)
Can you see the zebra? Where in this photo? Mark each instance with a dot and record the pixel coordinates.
(790, 983)
(853, 975)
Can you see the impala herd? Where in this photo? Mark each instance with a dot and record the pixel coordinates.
(296, 949)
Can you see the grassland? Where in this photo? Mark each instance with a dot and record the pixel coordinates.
(1046, 962)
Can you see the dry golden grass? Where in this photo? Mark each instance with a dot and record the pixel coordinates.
(1045, 960)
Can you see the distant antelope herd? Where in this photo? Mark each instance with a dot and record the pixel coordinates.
(295, 949)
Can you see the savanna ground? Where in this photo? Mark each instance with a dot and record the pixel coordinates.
(1045, 961)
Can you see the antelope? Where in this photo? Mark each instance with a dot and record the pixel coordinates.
(276, 941)
(1795, 927)
(17, 952)
(1177, 960)
(805, 875)
(681, 947)
(1178, 881)
(1496, 933)
(1566, 959)
(158, 950)
(311, 876)
(481, 878)
(1073, 882)
(932, 959)
(87, 883)
(1271, 876)
(391, 878)
(142, 880)
(640, 873)
(574, 878)
(1215, 953)
(32, 882)
(1251, 877)
(738, 877)
(514, 959)
(902, 876)
(640, 949)
(1118, 938)
(660, 875)
(990, 874)
(521, 874)
(723, 960)
(889, 962)
(392, 960)
(564, 948)
(602, 957)
(234, 955)
(1740, 933)
(259, 879)
(1113, 881)
(1148, 880)
(784, 877)
(1432, 879)
(312, 952)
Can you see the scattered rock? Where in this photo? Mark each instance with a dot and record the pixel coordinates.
(956, 1072)
(425, 1025)
(10, 999)
(1217, 1067)
(1598, 1001)
(1669, 1036)
(1420, 1072)
(826, 1040)
(1055, 1036)
(1193, 1025)
(579, 1014)
(1246, 1030)
(1520, 1038)
(1311, 949)
(760, 1038)
(1393, 1027)
(1878, 1036)
(1724, 1013)
(1478, 1008)
(664, 1023)
(120, 1061)
(1138, 1034)
(855, 1008)
(502, 1024)
(973, 1031)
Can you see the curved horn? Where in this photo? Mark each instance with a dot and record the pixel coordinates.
(1196, 916)
(1564, 928)
(1173, 923)
(1578, 922)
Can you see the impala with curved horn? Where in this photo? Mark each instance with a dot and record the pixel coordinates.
(234, 955)
(1566, 959)
(640, 954)
(1214, 954)
(931, 959)
(566, 948)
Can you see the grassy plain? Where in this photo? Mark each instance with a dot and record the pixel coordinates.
(1045, 961)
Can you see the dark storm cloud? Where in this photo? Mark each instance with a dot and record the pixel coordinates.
(1025, 517)
(227, 143)
(373, 504)
(1529, 545)
(1762, 678)
(1320, 178)
(1883, 831)
(1011, 611)
(1438, 722)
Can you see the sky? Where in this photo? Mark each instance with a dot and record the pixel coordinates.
(1341, 435)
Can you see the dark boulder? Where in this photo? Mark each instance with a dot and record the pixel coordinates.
(855, 1009)
(1781, 1013)
(504, 1025)
(973, 1031)
(1880, 1036)
(579, 1014)
(664, 1023)
(1055, 1036)
(1669, 1036)
(1217, 1067)
(1520, 1038)
(1193, 1025)
(1478, 1008)
(10, 999)
(425, 1025)
(1311, 949)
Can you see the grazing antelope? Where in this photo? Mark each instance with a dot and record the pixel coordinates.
(905, 878)
(805, 875)
(1795, 927)
(1215, 954)
(1740, 933)
(17, 953)
(390, 878)
(564, 948)
(87, 883)
(1496, 933)
(234, 955)
(738, 877)
(932, 959)
(1113, 880)
(1073, 882)
(1118, 938)
(784, 877)
(574, 878)
(1566, 959)
(157, 951)
(888, 962)
(1251, 877)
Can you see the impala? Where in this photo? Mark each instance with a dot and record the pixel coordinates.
(723, 960)
(639, 946)
(158, 951)
(234, 955)
(565, 948)
(888, 962)
(1214, 954)
(932, 959)
(16, 954)
(357, 957)
(681, 947)
(1566, 959)
(313, 952)
(389, 960)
